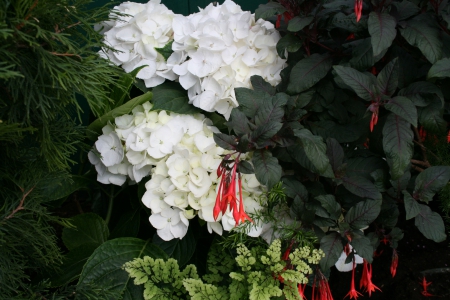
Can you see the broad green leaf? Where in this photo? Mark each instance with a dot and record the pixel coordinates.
(259, 84)
(335, 153)
(331, 245)
(181, 250)
(104, 268)
(401, 183)
(289, 43)
(308, 71)
(387, 80)
(431, 181)
(420, 91)
(440, 69)
(128, 225)
(265, 11)
(238, 122)
(397, 144)
(293, 188)
(267, 169)
(360, 83)
(271, 110)
(342, 133)
(389, 213)
(172, 97)
(403, 107)
(245, 167)
(225, 141)
(363, 213)
(315, 149)
(57, 186)
(362, 55)
(72, 265)
(165, 51)
(406, 9)
(382, 30)
(362, 246)
(250, 100)
(298, 23)
(419, 34)
(89, 229)
(298, 153)
(263, 133)
(412, 208)
(430, 224)
(330, 204)
(364, 166)
(431, 117)
(95, 128)
(361, 187)
(379, 177)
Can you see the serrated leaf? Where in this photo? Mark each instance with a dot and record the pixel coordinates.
(95, 128)
(419, 34)
(315, 149)
(335, 153)
(289, 43)
(308, 71)
(104, 268)
(412, 208)
(267, 168)
(298, 23)
(165, 51)
(271, 110)
(250, 100)
(128, 224)
(238, 122)
(403, 107)
(430, 224)
(361, 187)
(362, 55)
(330, 204)
(359, 82)
(331, 245)
(387, 80)
(431, 117)
(440, 69)
(397, 144)
(245, 167)
(181, 250)
(89, 229)
(362, 246)
(431, 181)
(363, 213)
(265, 11)
(382, 30)
(225, 141)
(172, 97)
(265, 132)
(259, 84)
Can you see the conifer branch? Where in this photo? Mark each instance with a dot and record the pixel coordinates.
(20, 206)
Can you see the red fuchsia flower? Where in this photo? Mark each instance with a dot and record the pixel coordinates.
(226, 196)
(425, 285)
(358, 9)
(366, 279)
(323, 291)
(301, 291)
(394, 263)
(448, 137)
(374, 107)
(351, 36)
(422, 133)
(353, 293)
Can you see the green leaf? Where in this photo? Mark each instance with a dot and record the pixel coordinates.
(308, 71)
(90, 229)
(104, 268)
(440, 69)
(250, 100)
(166, 51)
(172, 97)
(128, 225)
(335, 153)
(403, 107)
(362, 246)
(72, 265)
(397, 144)
(362, 55)
(298, 23)
(363, 213)
(259, 84)
(225, 141)
(272, 110)
(431, 117)
(412, 208)
(430, 224)
(330, 204)
(431, 181)
(364, 166)
(238, 122)
(331, 245)
(419, 34)
(315, 149)
(265, 11)
(58, 186)
(382, 30)
(265, 132)
(359, 82)
(245, 167)
(406, 9)
(361, 187)
(95, 128)
(267, 169)
(181, 250)
(387, 80)
(289, 43)
(419, 91)
(293, 188)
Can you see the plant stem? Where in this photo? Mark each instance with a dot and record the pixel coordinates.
(110, 205)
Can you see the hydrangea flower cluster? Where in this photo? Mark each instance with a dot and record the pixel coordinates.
(180, 154)
(214, 51)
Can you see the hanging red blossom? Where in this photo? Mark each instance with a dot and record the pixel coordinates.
(366, 279)
(358, 9)
(394, 263)
(353, 293)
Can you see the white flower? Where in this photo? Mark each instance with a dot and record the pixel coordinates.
(103, 175)
(170, 223)
(110, 148)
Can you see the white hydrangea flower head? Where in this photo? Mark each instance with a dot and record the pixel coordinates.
(170, 223)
